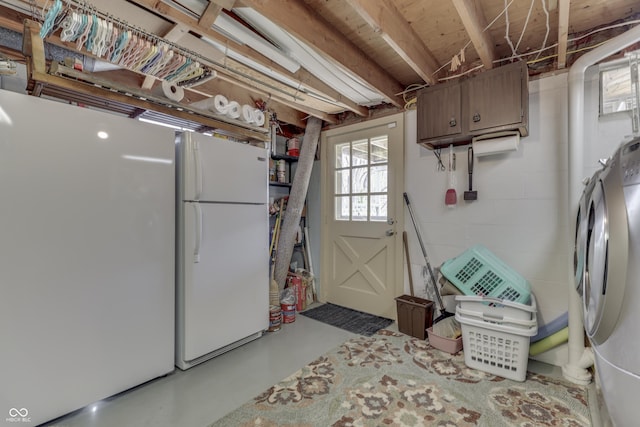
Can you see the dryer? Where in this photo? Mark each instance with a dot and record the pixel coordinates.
(612, 281)
(580, 247)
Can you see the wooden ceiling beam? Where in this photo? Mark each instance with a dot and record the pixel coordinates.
(303, 23)
(214, 8)
(303, 76)
(285, 109)
(474, 21)
(323, 89)
(11, 19)
(563, 32)
(386, 20)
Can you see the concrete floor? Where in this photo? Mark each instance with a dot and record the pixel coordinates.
(207, 392)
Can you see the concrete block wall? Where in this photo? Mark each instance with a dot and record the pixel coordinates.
(522, 213)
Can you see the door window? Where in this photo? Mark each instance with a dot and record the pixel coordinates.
(361, 179)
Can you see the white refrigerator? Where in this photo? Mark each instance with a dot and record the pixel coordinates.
(86, 256)
(222, 286)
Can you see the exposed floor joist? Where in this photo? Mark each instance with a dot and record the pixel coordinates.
(170, 21)
(563, 32)
(385, 19)
(474, 22)
(302, 23)
(176, 16)
(228, 69)
(244, 93)
(212, 11)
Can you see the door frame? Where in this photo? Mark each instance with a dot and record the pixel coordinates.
(327, 195)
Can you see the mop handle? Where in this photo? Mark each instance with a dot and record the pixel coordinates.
(424, 253)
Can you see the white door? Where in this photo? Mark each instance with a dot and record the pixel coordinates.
(223, 295)
(362, 211)
(220, 170)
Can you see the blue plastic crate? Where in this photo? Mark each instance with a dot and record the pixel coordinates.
(477, 271)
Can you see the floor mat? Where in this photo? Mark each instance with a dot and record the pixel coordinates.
(391, 379)
(350, 320)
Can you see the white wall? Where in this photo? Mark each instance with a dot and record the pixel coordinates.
(521, 213)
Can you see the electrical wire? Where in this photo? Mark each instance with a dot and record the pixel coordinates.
(469, 42)
(496, 18)
(526, 22)
(506, 29)
(533, 52)
(533, 61)
(621, 24)
(517, 56)
(410, 103)
(461, 74)
(412, 88)
(546, 12)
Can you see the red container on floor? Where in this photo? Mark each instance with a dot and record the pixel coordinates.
(288, 313)
(275, 318)
(301, 292)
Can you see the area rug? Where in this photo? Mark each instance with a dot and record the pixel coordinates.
(395, 380)
(345, 318)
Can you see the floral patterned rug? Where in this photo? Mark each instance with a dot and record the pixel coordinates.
(391, 379)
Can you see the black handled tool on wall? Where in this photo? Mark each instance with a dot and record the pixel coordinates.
(470, 195)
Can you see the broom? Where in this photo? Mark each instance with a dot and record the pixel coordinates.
(274, 293)
(443, 313)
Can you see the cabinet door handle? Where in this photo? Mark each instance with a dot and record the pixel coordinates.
(453, 122)
(476, 118)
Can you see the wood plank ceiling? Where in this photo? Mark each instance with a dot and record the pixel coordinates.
(385, 46)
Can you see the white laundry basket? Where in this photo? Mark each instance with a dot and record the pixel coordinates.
(493, 342)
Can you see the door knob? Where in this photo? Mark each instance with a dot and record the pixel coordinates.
(391, 221)
(390, 232)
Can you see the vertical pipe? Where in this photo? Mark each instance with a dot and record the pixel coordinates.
(572, 370)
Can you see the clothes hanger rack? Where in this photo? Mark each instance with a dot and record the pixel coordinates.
(116, 41)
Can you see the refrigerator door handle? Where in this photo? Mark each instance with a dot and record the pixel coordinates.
(196, 250)
(198, 168)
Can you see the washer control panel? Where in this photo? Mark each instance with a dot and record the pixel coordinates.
(630, 162)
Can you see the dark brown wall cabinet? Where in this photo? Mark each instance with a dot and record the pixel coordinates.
(492, 101)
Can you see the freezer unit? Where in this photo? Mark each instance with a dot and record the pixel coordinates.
(86, 256)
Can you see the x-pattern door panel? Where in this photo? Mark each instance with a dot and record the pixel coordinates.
(362, 190)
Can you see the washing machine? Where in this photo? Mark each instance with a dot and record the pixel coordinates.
(580, 247)
(611, 282)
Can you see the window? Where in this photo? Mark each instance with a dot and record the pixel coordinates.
(615, 90)
(361, 181)
(618, 85)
